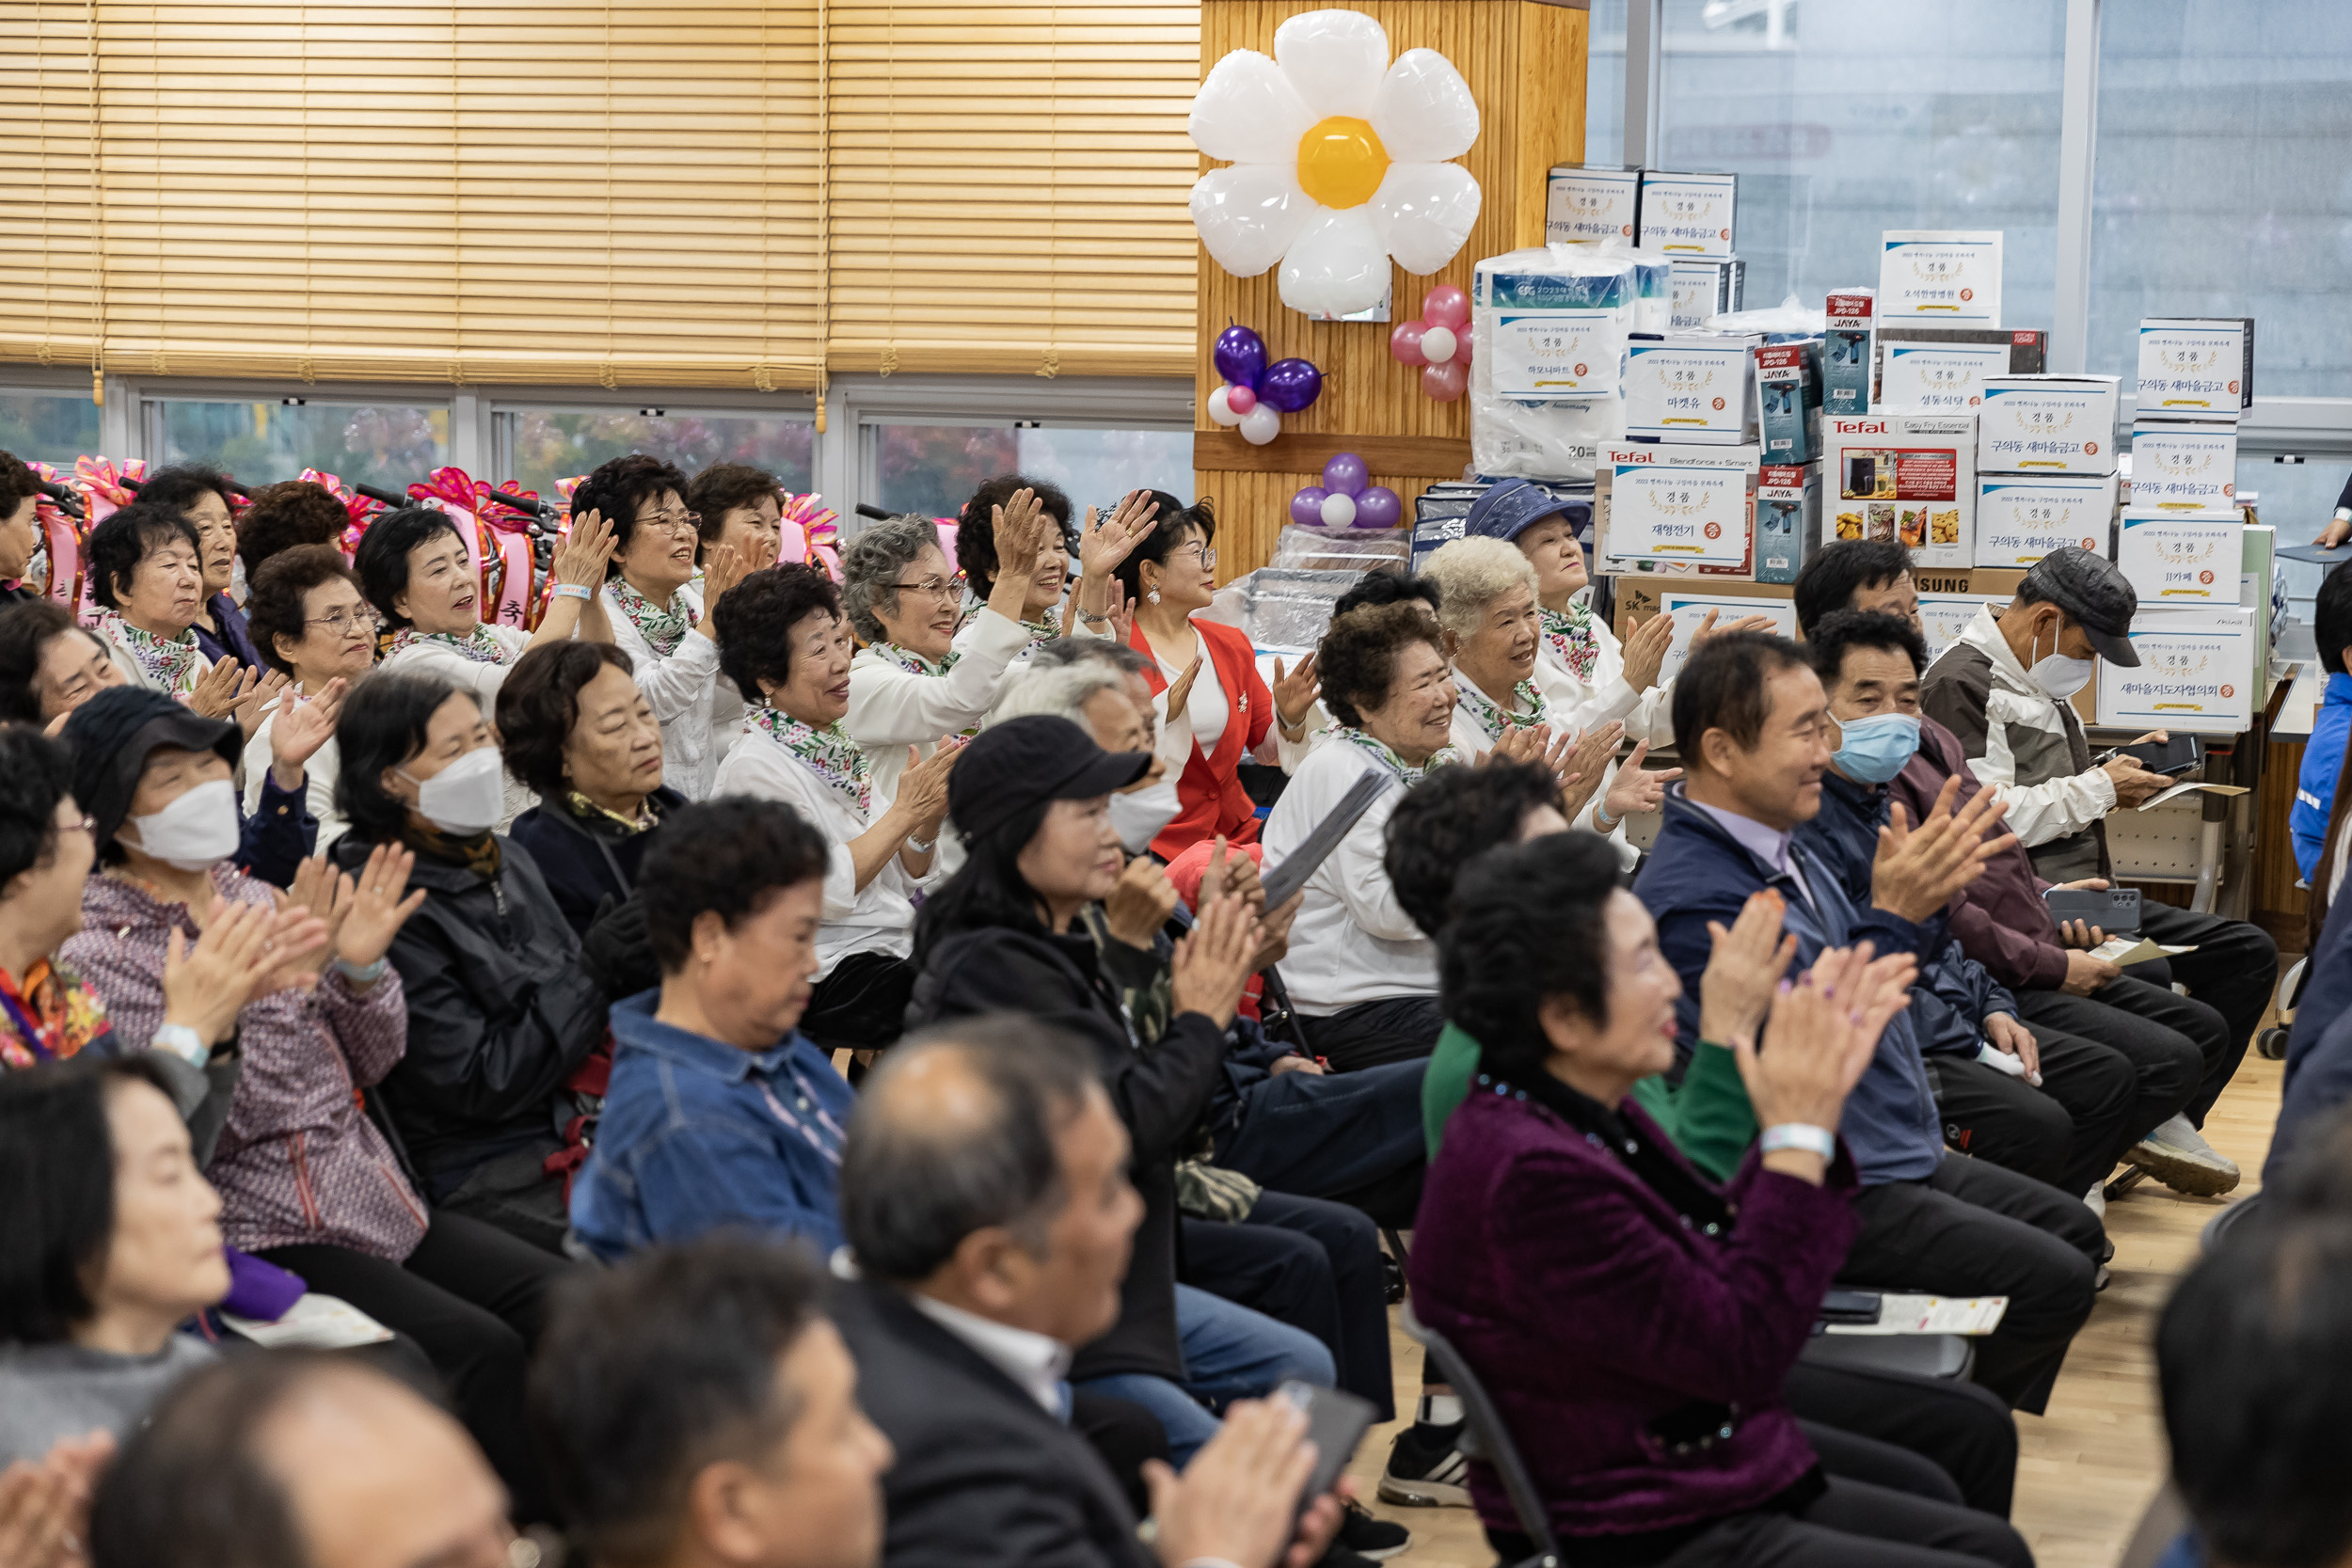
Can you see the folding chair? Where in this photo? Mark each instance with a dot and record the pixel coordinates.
(1486, 1438)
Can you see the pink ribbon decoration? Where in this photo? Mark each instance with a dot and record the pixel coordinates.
(812, 532)
(510, 536)
(104, 493)
(64, 539)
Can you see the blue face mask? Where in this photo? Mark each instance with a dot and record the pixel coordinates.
(1876, 748)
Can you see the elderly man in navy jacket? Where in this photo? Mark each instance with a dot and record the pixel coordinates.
(1751, 726)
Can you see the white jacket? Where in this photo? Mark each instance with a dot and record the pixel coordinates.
(891, 709)
(1606, 698)
(1469, 738)
(1352, 941)
(684, 691)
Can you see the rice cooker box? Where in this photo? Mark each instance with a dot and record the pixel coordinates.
(1906, 479)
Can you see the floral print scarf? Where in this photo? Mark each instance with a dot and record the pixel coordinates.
(1528, 708)
(1570, 634)
(829, 752)
(169, 662)
(663, 627)
(1396, 765)
(477, 646)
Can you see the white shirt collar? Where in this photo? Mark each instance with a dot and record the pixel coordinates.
(1036, 1362)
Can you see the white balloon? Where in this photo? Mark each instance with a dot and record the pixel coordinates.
(1437, 345)
(1247, 215)
(1261, 425)
(1338, 510)
(1248, 111)
(1221, 411)
(1337, 265)
(1423, 112)
(1334, 58)
(1422, 212)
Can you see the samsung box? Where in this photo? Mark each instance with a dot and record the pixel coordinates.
(1583, 205)
(2181, 558)
(1788, 519)
(2022, 517)
(1690, 388)
(2199, 366)
(1907, 479)
(1848, 368)
(1942, 277)
(1944, 369)
(2180, 466)
(1788, 401)
(2047, 424)
(2196, 672)
(1703, 286)
(1689, 214)
(1678, 510)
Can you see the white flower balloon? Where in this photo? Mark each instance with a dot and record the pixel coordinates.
(1337, 165)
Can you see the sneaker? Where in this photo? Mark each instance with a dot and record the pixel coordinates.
(1426, 1469)
(1367, 1535)
(2178, 1156)
(2096, 1200)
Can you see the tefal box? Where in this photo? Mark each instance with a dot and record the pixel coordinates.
(1943, 369)
(1696, 388)
(1847, 369)
(1689, 214)
(1584, 205)
(1684, 511)
(2180, 466)
(2197, 670)
(1907, 479)
(1788, 519)
(1788, 400)
(1699, 287)
(2022, 517)
(1946, 277)
(2197, 365)
(2047, 424)
(2181, 558)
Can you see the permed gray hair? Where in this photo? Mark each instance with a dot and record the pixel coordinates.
(1061, 691)
(870, 568)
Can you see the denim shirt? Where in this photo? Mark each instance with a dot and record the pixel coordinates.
(697, 1134)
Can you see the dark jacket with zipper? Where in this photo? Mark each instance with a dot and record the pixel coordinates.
(587, 863)
(501, 1012)
(1160, 1093)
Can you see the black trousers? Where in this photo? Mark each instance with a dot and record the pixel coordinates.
(1345, 1136)
(1974, 1230)
(2168, 1039)
(474, 1298)
(1124, 1434)
(2233, 972)
(1371, 1034)
(1965, 1431)
(862, 1006)
(1853, 1524)
(1313, 1265)
(2067, 1132)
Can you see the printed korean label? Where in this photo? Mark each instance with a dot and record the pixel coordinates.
(1553, 355)
(1950, 277)
(2182, 559)
(2196, 672)
(1687, 212)
(2063, 430)
(1689, 611)
(1940, 379)
(1944, 616)
(2184, 468)
(1583, 206)
(1671, 389)
(1693, 515)
(1697, 293)
(2020, 522)
(2190, 367)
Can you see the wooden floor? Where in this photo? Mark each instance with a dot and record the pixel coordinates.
(2087, 1470)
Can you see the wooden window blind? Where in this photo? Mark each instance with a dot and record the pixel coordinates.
(49, 279)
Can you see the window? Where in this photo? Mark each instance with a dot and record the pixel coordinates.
(932, 469)
(261, 442)
(1604, 84)
(2221, 187)
(540, 446)
(2297, 499)
(1847, 118)
(45, 428)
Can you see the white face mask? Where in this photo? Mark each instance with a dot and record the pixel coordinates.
(2059, 675)
(466, 797)
(194, 831)
(1139, 815)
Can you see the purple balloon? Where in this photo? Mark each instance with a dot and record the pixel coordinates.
(1380, 507)
(1291, 385)
(1307, 506)
(1346, 474)
(1241, 356)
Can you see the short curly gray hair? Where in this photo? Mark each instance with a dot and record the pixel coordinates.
(870, 568)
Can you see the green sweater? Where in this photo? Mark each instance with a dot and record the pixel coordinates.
(1709, 1118)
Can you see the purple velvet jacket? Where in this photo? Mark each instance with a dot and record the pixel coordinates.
(1592, 1310)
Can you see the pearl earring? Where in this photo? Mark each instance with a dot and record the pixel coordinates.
(1153, 595)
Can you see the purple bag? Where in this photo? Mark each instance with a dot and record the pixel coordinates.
(262, 1291)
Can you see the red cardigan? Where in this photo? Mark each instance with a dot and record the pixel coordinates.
(1209, 796)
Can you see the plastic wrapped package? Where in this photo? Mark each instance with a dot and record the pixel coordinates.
(1653, 278)
(1286, 610)
(1340, 549)
(1549, 327)
(1779, 324)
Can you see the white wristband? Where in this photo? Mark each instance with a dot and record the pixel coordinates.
(182, 1041)
(360, 975)
(1803, 1135)
(574, 590)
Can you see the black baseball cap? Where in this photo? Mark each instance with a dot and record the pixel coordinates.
(1011, 766)
(2094, 596)
(112, 735)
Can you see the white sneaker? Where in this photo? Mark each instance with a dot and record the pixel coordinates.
(2096, 1200)
(2178, 1156)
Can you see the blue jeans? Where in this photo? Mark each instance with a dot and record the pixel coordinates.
(1231, 1354)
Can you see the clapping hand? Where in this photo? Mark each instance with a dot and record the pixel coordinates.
(1634, 791)
(1238, 1500)
(923, 787)
(1213, 962)
(1918, 869)
(1105, 542)
(221, 689)
(1823, 1028)
(722, 568)
(1646, 649)
(1708, 627)
(1180, 694)
(1748, 962)
(44, 1508)
(582, 555)
(301, 728)
(1295, 691)
(1586, 764)
(370, 910)
(1139, 903)
(254, 704)
(236, 957)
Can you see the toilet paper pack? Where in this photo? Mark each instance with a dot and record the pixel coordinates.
(1550, 325)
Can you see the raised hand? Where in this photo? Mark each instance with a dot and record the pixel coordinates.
(1708, 627)
(1180, 694)
(1522, 745)
(722, 568)
(1237, 1502)
(371, 909)
(582, 555)
(234, 958)
(1120, 612)
(1105, 542)
(1586, 764)
(219, 689)
(1646, 649)
(923, 787)
(1634, 790)
(1213, 961)
(1295, 691)
(1822, 1030)
(253, 706)
(1141, 903)
(1747, 964)
(1918, 869)
(303, 726)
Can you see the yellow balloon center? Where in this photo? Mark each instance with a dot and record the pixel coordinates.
(1340, 161)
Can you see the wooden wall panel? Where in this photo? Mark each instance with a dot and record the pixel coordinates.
(1525, 64)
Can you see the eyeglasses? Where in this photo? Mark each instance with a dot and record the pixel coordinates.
(674, 522)
(342, 621)
(84, 826)
(943, 588)
(1206, 552)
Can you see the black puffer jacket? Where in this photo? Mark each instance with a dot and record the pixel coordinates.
(501, 1012)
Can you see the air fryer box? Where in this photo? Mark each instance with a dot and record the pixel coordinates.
(1675, 511)
(1943, 370)
(1689, 214)
(2022, 517)
(1696, 387)
(2200, 366)
(1703, 286)
(1788, 519)
(1908, 479)
(2181, 467)
(1586, 204)
(2047, 424)
(2181, 559)
(1846, 346)
(1788, 399)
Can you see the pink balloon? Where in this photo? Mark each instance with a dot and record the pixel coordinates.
(1405, 342)
(1445, 381)
(1461, 347)
(1240, 399)
(1446, 306)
